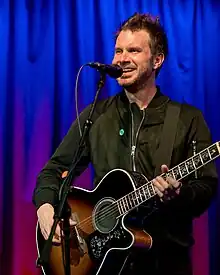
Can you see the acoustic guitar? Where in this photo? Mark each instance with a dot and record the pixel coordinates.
(102, 216)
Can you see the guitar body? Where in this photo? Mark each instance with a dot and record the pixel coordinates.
(106, 234)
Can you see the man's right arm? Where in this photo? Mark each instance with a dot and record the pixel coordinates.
(45, 195)
(50, 177)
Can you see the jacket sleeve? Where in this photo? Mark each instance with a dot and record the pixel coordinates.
(50, 177)
(197, 193)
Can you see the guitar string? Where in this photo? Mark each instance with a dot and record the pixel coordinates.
(111, 209)
(106, 210)
(171, 170)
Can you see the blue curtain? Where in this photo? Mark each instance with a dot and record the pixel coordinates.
(43, 45)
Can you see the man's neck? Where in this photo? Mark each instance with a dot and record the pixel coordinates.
(143, 96)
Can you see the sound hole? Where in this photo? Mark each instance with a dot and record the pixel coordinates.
(104, 216)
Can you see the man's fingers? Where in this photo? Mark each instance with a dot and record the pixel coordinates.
(158, 186)
(46, 228)
(164, 168)
(57, 234)
(44, 233)
(72, 222)
(159, 193)
(173, 184)
(166, 188)
(160, 183)
(45, 217)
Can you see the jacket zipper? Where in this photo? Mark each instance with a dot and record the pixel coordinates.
(134, 140)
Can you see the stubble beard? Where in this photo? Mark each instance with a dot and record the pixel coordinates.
(137, 84)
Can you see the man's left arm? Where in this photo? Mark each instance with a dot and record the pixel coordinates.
(192, 196)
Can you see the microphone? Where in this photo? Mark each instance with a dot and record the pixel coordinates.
(113, 71)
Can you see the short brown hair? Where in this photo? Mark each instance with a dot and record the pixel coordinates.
(158, 37)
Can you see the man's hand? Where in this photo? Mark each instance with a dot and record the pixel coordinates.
(166, 189)
(45, 218)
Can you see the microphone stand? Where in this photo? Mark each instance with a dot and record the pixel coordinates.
(63, 210)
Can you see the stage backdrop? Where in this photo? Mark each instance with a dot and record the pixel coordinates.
(43, 43)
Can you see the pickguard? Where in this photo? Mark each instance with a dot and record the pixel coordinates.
(99, 243)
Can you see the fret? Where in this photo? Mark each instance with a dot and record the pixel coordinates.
(123, 203)
(140, 195)
(126, 203)
(183, 169)
(197, 161)
(205, 156)
(168, 174)
(129, 201)
(147, 191)
(176, 173)
(134, 198)
(119, 207)
(213, 150)
(130, 197)
(137, 197)
(173, 175)
(151, 190)
(179, 171)
(190, 165)
(210, 157)
(193, 161)
(186, 166)
(201, 158)
(143, 190)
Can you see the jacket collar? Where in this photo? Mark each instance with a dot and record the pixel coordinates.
(155, 112)
(158, 100)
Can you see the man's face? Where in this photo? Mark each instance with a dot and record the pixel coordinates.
(133, 54)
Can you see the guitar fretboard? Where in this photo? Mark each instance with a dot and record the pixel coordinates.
(147, 191)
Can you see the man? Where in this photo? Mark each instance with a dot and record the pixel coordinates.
(139, 109)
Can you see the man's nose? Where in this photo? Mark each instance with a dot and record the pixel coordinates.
(124, 58)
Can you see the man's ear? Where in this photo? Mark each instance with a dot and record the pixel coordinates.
(158, 61)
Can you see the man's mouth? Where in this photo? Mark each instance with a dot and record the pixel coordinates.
(128, 70)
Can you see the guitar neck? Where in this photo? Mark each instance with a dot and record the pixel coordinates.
(182, 170)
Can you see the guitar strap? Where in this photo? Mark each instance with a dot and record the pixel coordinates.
(164, 152)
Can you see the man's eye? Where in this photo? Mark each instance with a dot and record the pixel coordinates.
(118, 51)
(134, 50)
